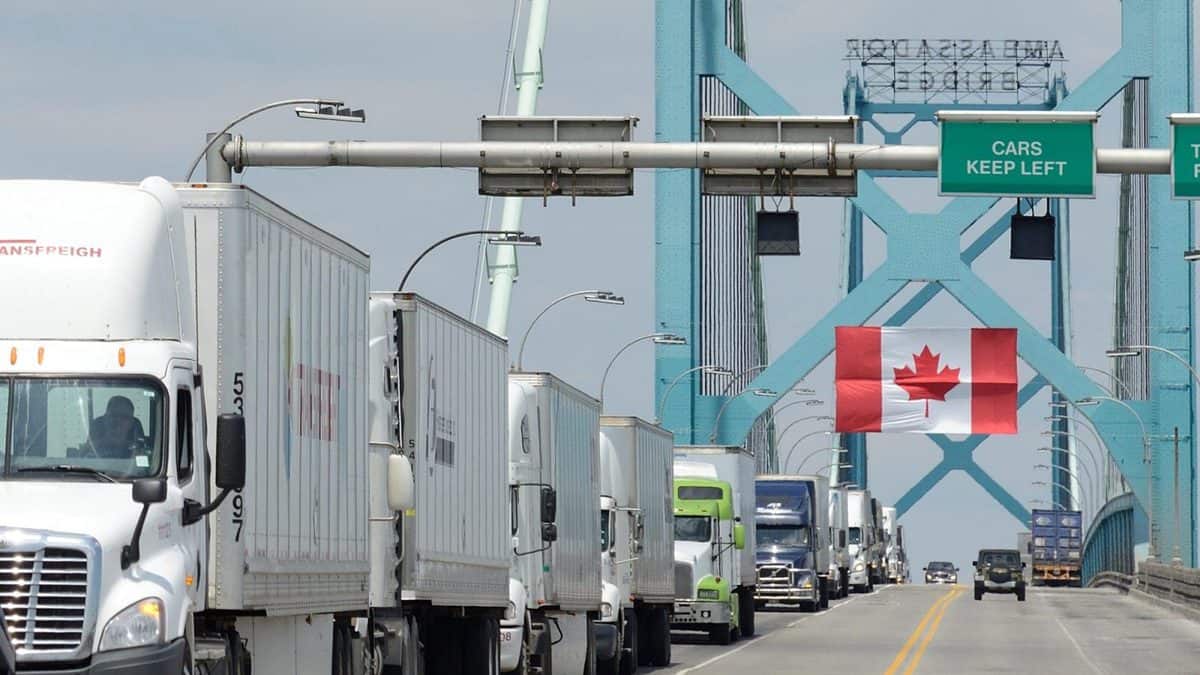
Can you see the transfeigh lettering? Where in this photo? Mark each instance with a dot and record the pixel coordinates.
(31, 248)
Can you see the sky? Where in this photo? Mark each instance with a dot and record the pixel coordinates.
(103, 91)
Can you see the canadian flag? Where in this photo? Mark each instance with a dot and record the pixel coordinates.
(927, 380)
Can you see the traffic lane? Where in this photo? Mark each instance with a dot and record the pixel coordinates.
(856, 634)
(1061, 630)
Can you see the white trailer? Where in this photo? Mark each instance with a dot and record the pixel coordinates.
(439, 571)
(554, 489)
(892, 553)
(637, 540)
(735, 465)
(861, 524)
(839, 525)
(154, 314)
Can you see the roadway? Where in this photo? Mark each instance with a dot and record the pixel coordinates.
(900, 630)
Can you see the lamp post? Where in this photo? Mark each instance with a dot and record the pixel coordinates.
(1107, 462)
(708, 369)
(839, 450)
(327, 109)
(1147, 459)
(767, 393)
(1055, 484)
(1095, 484)
(1114, 378)
(600, 297)
(1086, 504)
(1126, 351)
(509, 238)
(658, 338)
(1091, 455)
(788, 460)
(833, 464)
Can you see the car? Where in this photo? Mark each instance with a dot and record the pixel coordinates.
(941, 572)
(998, 570)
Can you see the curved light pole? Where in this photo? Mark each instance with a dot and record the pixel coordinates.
(774, 412)
(511, 238)
(800, 466)
(712, 437)
(1087, 424)
(1147, 459)
(1085, 503)
(341, 115)
(1095, 485)
(1116, 380)
(709, 369)
(788, 458)
(659, 339)
(602, 297)
(1126, 351)
(831, 465)
(1091, 454)
(1057, 485)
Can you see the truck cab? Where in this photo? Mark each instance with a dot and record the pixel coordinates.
(860, 539)
(839, 545)
(792, 551)
(708, 543)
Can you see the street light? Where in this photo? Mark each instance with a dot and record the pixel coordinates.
(1114, 378)
(337, 107)
(1147, 459)
(658, 338)
(517, 238)
(767, 393)
(1055, 484)
(597, 296)
(814, 454)
(708, 369)
(1091, 455)
(787, 459)
(1095, 486)
(829, 466)
(1192, 254)
(751, 369)
(1086, 504)
(1127, 351)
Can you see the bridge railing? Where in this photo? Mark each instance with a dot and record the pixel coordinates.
(1108, 546)
(1180, 585)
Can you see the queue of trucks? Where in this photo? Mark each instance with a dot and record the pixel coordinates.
(224, 454)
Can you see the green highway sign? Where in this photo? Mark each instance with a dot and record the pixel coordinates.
(1185, 156)
(1017, 154)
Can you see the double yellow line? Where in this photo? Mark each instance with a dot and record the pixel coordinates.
(936, 612)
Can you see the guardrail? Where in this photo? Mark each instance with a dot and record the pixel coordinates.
(1177, 584)
(1122, 582)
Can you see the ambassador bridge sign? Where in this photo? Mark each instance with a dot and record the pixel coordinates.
(923, 70)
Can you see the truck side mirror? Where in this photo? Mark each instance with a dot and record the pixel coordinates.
(146, 491)
(231, 452)
(399, 483)
(1022, 565)
(974, 563)
(739, 536)
(549, 506)
(549, 532)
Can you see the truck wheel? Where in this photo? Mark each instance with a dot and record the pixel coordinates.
(1020, 595)
(978, 593)
(720, 635)
(645, 622)
(746, 613)
(628, 656)
(659, 642)
(824, 594)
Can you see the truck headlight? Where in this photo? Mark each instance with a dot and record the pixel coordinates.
(606, 610)
(137, 625)
(858, 567)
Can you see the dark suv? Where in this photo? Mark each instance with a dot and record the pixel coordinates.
(998, 570)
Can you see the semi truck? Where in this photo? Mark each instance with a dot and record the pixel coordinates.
(1057, 547)
(878, 553)
(900, 572)
(861, 547)
(141, 319)
(839, 551)
(637, 541)
(552, 623)
(892, 553)
(792, 541)
(709, 540)
(438, 398)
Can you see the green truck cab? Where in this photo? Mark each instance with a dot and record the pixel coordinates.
(708, 540)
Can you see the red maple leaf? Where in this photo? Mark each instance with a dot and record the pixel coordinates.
(926, 382)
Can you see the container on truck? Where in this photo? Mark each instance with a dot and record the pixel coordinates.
(438, 398)
(1057, 547)
(839, 545)
(715, 575)
(892, 572)
(554, 493)
(792, 540)
(860, 521)
(135, 539)
(637, 541)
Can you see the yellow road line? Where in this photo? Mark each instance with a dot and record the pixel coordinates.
(933, 628)
(916, 634)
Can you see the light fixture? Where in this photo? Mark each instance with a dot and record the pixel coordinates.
(1192, 254)
(605, 298)
(1122, 352)
(717, 370)
(767, 393)
(336, 111)
(515, 239)
(669, 339)
(1087, 400)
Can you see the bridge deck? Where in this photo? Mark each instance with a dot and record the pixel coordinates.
(905, 629)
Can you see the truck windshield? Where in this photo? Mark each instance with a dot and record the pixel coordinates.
(782, 535)
(692, 528)
(103, 428)
(856, 535)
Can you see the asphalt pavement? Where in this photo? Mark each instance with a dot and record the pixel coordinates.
(901, 630)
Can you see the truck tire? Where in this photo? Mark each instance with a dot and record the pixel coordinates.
(746, 613)
(824, 593)
(1020, 595)
(628, 656)
(720, 635)
(978, 593)
(589, 666)
(645, 619)
(658, 644)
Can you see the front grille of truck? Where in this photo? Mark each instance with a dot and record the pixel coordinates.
(44, 592)
(773, 577)
(684, 586)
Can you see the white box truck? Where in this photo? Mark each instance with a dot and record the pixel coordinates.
(139, 320)
(735, 466)
(439, 571)
(637, 561)
(839, 526)
(861, 523)
(892, 553)
(554, 493)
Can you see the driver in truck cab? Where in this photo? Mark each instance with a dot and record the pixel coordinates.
(114, 434)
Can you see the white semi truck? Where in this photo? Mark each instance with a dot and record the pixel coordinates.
(637, 540)
(552, 622)
(861, 523)
(140, 319)
(892, 553)
(723, 568)
(438, 399)
(839, 532)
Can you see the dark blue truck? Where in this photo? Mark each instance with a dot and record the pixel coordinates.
(1056, 544)
(792, 554)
